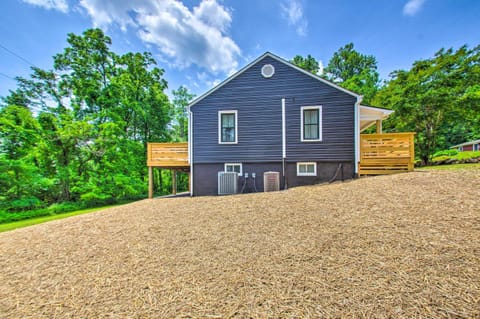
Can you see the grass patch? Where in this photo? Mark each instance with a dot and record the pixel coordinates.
(453, 167)
(39, 220)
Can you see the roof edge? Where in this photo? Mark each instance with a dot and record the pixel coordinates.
(281, 60)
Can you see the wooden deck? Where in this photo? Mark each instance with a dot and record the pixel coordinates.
(387, 153)
(172, 156)
(168, 155)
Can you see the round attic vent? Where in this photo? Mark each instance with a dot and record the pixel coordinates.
(268, 70)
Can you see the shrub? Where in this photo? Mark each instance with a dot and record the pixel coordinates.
(23, 204)
(452, 152)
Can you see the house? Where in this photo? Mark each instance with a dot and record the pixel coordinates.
(467, 146)
(274, 116)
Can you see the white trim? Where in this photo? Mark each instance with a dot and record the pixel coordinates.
(190, 148)
(265, 68)
(385, 112)
(284, 131)
(279, 59)
(307, 174)
(220, 126)
(356, 132)
(320, 126)
(234, 164)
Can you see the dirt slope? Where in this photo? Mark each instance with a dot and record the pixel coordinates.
(397, 246)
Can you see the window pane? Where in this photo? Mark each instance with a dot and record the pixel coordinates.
(228, 135)
(311, 124)
(310, 117)
(229, 168)
(228, 127)
(302, 168)
(310, 168)
(228, 120)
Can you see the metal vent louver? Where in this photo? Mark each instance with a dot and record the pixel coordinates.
(227, 183)
(268, 71)
(271, 181)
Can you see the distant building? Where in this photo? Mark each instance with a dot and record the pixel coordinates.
(467, 146)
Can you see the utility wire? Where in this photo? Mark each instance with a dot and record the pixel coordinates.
(7, 76)
(15, 54)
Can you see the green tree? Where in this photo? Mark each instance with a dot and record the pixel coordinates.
(309, 63)
(436, 98)
(95, 112)
(354, 71)
(181, 99)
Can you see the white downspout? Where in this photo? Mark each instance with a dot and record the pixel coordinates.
(357, 131)
(284, 133)
(284, 142)
(190, 148)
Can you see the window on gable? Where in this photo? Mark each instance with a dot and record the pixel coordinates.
(227, 127)
(307, 169)
(311, 123)
(234, 167)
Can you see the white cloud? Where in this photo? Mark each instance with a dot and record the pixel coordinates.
(183, 36)
(60, 5)
(412, 7)
(292, 11)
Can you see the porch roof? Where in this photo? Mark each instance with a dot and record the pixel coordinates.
(369, 115)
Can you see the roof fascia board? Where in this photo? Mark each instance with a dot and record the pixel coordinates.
(230, 78)
(281, 60)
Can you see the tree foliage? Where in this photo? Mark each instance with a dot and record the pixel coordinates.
(309, 63)
(354, 71)
(78, 132)
(438, 98)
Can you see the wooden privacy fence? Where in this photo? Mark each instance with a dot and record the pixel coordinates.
(173, 156)
(386, 153)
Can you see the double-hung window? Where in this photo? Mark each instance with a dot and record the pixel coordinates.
(227, 127)
(311, 126)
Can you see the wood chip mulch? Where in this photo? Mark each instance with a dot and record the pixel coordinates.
(401, 246)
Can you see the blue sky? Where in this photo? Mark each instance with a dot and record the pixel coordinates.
(199, 43)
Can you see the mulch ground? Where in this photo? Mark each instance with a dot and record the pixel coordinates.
(402, 246)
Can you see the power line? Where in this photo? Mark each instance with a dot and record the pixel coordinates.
(7, 76)
(17, 55)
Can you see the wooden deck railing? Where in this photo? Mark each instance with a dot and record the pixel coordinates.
(167, 155)
(386, 153)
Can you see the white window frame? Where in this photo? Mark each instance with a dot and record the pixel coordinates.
(307, 174)
(234, 164)
(314, 107)
(220, 126)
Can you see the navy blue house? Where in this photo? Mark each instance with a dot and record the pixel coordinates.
(274, 116)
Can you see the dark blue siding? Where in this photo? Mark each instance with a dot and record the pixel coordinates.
(258, 102)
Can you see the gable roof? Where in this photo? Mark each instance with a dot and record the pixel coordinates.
(281, 60)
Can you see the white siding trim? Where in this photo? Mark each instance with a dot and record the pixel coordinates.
(220, 126)
(284, 131)
(190, 148)
(356, 132)
(307, 174)
(320, 126)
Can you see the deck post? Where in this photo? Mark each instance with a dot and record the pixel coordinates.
(150, 182)
(379, 126)
(174, 181)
